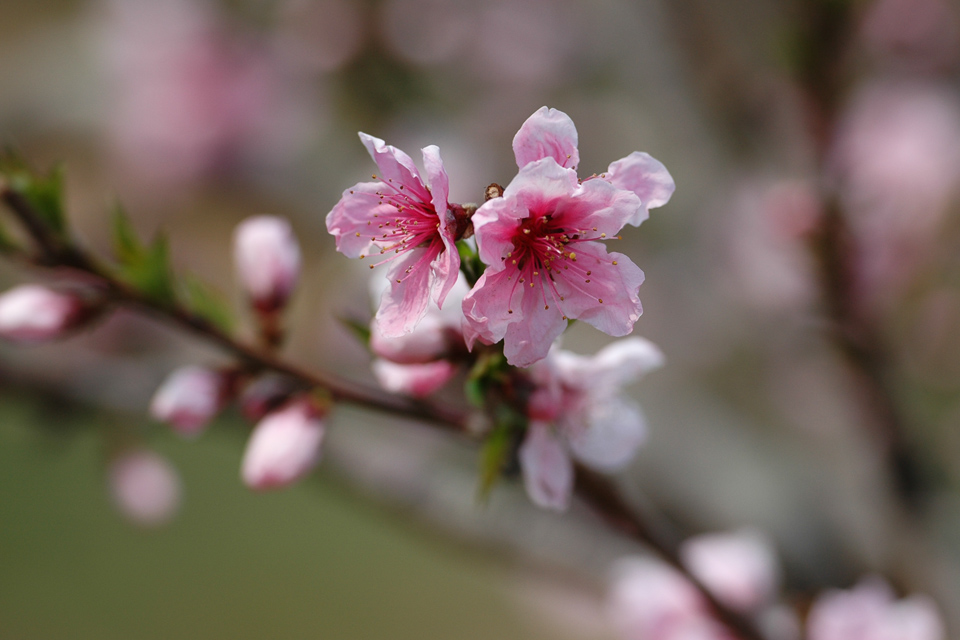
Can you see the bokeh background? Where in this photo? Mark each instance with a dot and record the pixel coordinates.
(198, 114)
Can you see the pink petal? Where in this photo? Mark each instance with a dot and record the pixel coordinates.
(32, 313)
(436, 177)
(417, 380)
(396, 167)
(613, 431)
(352, 218)
(529, 337)
(404, 303)
(145, 487)
(548, 133)
(617, 365)
(446, 268)
(609, 301)
(189, 399)
(597, 207)
(547, 470)
(427, 342)
(645, 176)
(267, 258)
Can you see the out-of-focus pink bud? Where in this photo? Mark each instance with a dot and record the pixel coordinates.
(145, 487)
(417, 380)
(740, 568)
(870, 611)
(284, 446)
(267, 258)
(31, 313)
(430, 340)
(190, 398)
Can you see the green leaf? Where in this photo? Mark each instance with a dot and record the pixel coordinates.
(147, 268)
(470, 262)
(360, 330)
(475, 391)
(126, 244)
(494, 455)
(206, 302)
(43, 192)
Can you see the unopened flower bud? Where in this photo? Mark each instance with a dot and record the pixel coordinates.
(190, 398)
(32, 313)
(144, 487)
(284, 446)
(267, 258)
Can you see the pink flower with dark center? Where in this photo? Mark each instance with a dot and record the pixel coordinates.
(543, 242)
(550, 133)
(406, 222)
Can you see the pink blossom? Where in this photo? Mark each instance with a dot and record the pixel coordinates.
(652, 601)
(190, 398)
(870, 612)
(578, 409)
(543, 243)
(267, 258)
(550, 133)
(417, 380)
(145, 487)
(284, 446)
(739, 568)
(409, 222)
(32, 313)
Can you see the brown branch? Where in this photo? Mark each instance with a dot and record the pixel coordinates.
(597, 491)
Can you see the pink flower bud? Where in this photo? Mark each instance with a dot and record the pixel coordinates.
(739, 568)
(283, 447)
(31, 313)
(417, 380)
(145, 487)
(189, 399)
(267, 258)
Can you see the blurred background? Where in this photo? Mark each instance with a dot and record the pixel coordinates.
(196, 114)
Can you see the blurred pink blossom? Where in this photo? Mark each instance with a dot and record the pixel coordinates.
(33, 313)
(401, 216)
(190, 398)
(189, 96)
(145, 487)
(267, 258)
(740, 568)
(284, 446)
(870, 611)
(416, 380)
(578, 409)
(896, 160)
(766, 228)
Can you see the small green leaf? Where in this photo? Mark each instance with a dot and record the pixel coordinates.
(206, 302)
(360, 330)
(126, 244)
(494, 455)
(474, 390)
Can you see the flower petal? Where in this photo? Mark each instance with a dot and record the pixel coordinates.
(529, 336)
(404, 304)
(547, 469)
(548, 133)
(351, 219)
(609, 301)
(645, 176)
(416, 380)
(396, 167)
(614, 430)
(597, 208)
(617, 365)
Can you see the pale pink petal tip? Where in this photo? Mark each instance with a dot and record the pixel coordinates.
(284, 447)
(144, 487)
(645, 176)
(739, 568)
(189, 399)
(267, 257)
